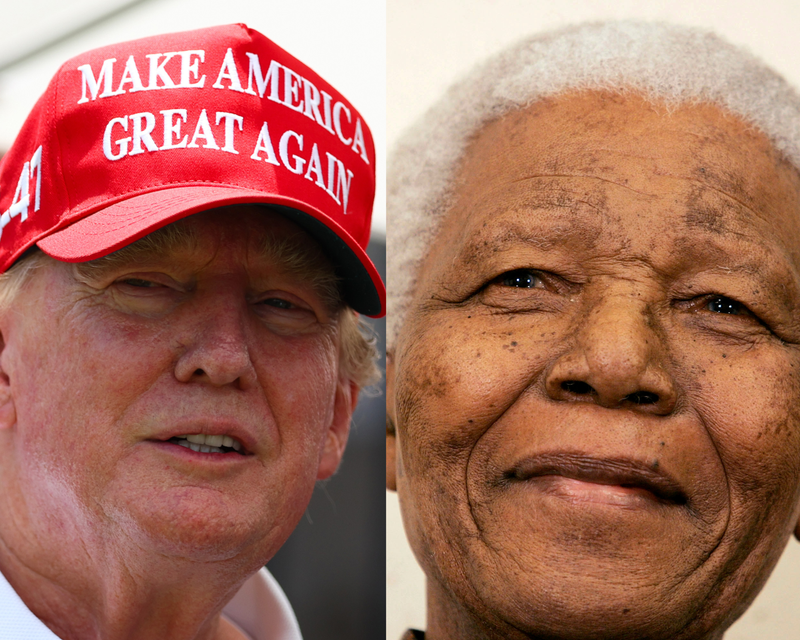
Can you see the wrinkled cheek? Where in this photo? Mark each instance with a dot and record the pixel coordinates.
(60, 478)
(453, 382)
(60, 454)
(755, 422)
(751, 406)
(457, 378)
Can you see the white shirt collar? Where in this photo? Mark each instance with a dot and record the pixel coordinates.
(260, 609)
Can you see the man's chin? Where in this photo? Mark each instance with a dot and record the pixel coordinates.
(550, 605)
(588, 580)
(200, 524)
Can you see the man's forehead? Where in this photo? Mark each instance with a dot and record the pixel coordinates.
(585, 131)
(614, 142)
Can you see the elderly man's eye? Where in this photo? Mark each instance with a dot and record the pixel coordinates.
(285, 305)
(721, 304)
(522, 279)
(289, 314)
(139, 282)
(724, 313)
(278, 303)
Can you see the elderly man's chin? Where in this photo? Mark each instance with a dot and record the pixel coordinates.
(540, 568)
(579, 579)
(213, 516)
(203, 524)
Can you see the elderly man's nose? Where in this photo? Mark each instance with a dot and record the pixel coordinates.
(615, 361)
(217, 353)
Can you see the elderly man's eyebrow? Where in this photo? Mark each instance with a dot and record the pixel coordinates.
(766, 266)
(169, 239)
(706, 250)
(544, 232)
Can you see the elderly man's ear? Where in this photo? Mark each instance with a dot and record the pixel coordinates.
(8, 413)
(391, 436)
(339, 429)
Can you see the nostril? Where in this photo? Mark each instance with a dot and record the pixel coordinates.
(577, 387)
(642, 397)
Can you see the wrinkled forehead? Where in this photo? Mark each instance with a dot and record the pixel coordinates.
(580, 156)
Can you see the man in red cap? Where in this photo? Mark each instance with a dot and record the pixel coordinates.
(183, 223)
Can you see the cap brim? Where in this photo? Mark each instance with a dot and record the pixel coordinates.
(122, 223)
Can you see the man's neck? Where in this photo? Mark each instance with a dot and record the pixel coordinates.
(169, 599)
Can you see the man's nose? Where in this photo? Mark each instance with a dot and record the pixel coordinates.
(215, 347)
(617, 360)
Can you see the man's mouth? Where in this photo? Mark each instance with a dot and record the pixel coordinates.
(579, 472)
(204, 443)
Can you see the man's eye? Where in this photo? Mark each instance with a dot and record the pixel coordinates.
(721, 304)
(139, 282)
(521, 279)
(278, 303)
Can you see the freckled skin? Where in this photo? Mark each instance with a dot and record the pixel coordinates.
(103, 533)
(613, 281)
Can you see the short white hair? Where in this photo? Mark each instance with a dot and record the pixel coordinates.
(667, 63)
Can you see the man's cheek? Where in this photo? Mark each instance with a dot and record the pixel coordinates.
(450, 389)
(432, 431)
(436, 510)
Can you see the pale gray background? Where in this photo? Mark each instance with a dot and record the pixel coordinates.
(430, 43)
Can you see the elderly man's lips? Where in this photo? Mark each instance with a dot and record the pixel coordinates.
(207, 454)
(608, 480)
(229, 436)
(209, 443)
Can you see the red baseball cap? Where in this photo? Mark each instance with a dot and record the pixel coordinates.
(131, 137)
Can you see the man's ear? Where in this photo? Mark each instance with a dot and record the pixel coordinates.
(391, 435)
(336, 437)
(8, 412)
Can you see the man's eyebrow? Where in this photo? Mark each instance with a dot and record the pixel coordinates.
(169, 239)
(762, 264)
(543, 232)
(707, 248)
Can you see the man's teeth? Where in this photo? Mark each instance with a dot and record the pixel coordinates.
(208, 444)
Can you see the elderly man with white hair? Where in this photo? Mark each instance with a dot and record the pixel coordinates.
(594, 340)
